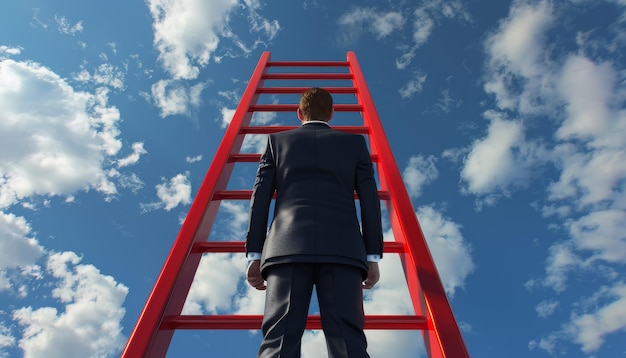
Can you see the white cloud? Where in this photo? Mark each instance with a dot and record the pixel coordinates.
(419, 171)
(501, 159)
(588, 91)
(132, 158)
(175, 97)
(518, 72)
(603, 233)
(215, 284)
(414, 85)
(227, 116)
(546, 308)
(450, 251)
(589, 329)
(380, 23)
(177, 192)
(426, 17)
(57, 139)
(90, 324)
(187, 32)
(194, 159)
(594, 318)
(11, 51)
(106, 74)
(18, 250)
(65, 27)
(562, 259)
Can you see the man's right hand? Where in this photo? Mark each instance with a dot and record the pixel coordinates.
(254, 275)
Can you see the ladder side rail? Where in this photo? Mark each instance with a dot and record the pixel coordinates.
(147, 340)
(446, 329)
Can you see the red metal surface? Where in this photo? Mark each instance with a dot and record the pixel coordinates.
(292, 108)
(399, 322)
(307, 64)
(298, 90)
(161, 314)
(307, 76)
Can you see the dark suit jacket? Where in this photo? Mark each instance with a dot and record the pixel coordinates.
(315, 171)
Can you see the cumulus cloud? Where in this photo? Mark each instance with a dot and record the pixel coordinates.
(216, 284)
(503, 158)
(589, 329)
(57, 140)
(450, 251)
(420, 171)
(176, 192)
(89, 326)
(176, 97)
(519, 76)
(19, 250)
(187, 33)
(11, 51)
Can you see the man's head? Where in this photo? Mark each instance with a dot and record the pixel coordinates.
(316, 104)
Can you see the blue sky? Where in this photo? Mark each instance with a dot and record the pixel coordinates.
(507, 120)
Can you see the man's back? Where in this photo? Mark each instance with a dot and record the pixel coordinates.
(316, 171)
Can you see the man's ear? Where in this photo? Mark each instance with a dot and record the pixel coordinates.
(300, 117)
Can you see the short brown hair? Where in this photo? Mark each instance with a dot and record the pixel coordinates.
(316, 104)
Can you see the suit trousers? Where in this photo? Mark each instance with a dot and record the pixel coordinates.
(288, 295)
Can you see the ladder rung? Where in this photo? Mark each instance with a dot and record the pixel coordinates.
(293, 107)
(251, 158)
(244, 158)
(240, 246)
(247, 194)
(299, 90)
(275, 129)
(308, 64)
(307, 76)
(404, 322)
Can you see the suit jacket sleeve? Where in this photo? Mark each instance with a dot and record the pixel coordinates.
(262, 192)
(366, 189)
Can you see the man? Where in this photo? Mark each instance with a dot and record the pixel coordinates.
(315, 238)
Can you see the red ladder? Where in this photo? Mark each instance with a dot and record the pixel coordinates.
(162, 313)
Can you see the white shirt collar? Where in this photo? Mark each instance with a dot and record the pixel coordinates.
(307, 122)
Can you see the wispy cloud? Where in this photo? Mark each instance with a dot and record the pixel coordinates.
(65, 26)
(132, 158)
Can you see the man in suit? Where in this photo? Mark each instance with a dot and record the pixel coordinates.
(314, 238)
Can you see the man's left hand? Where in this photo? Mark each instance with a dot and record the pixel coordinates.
(254, 275)
(373, 275)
